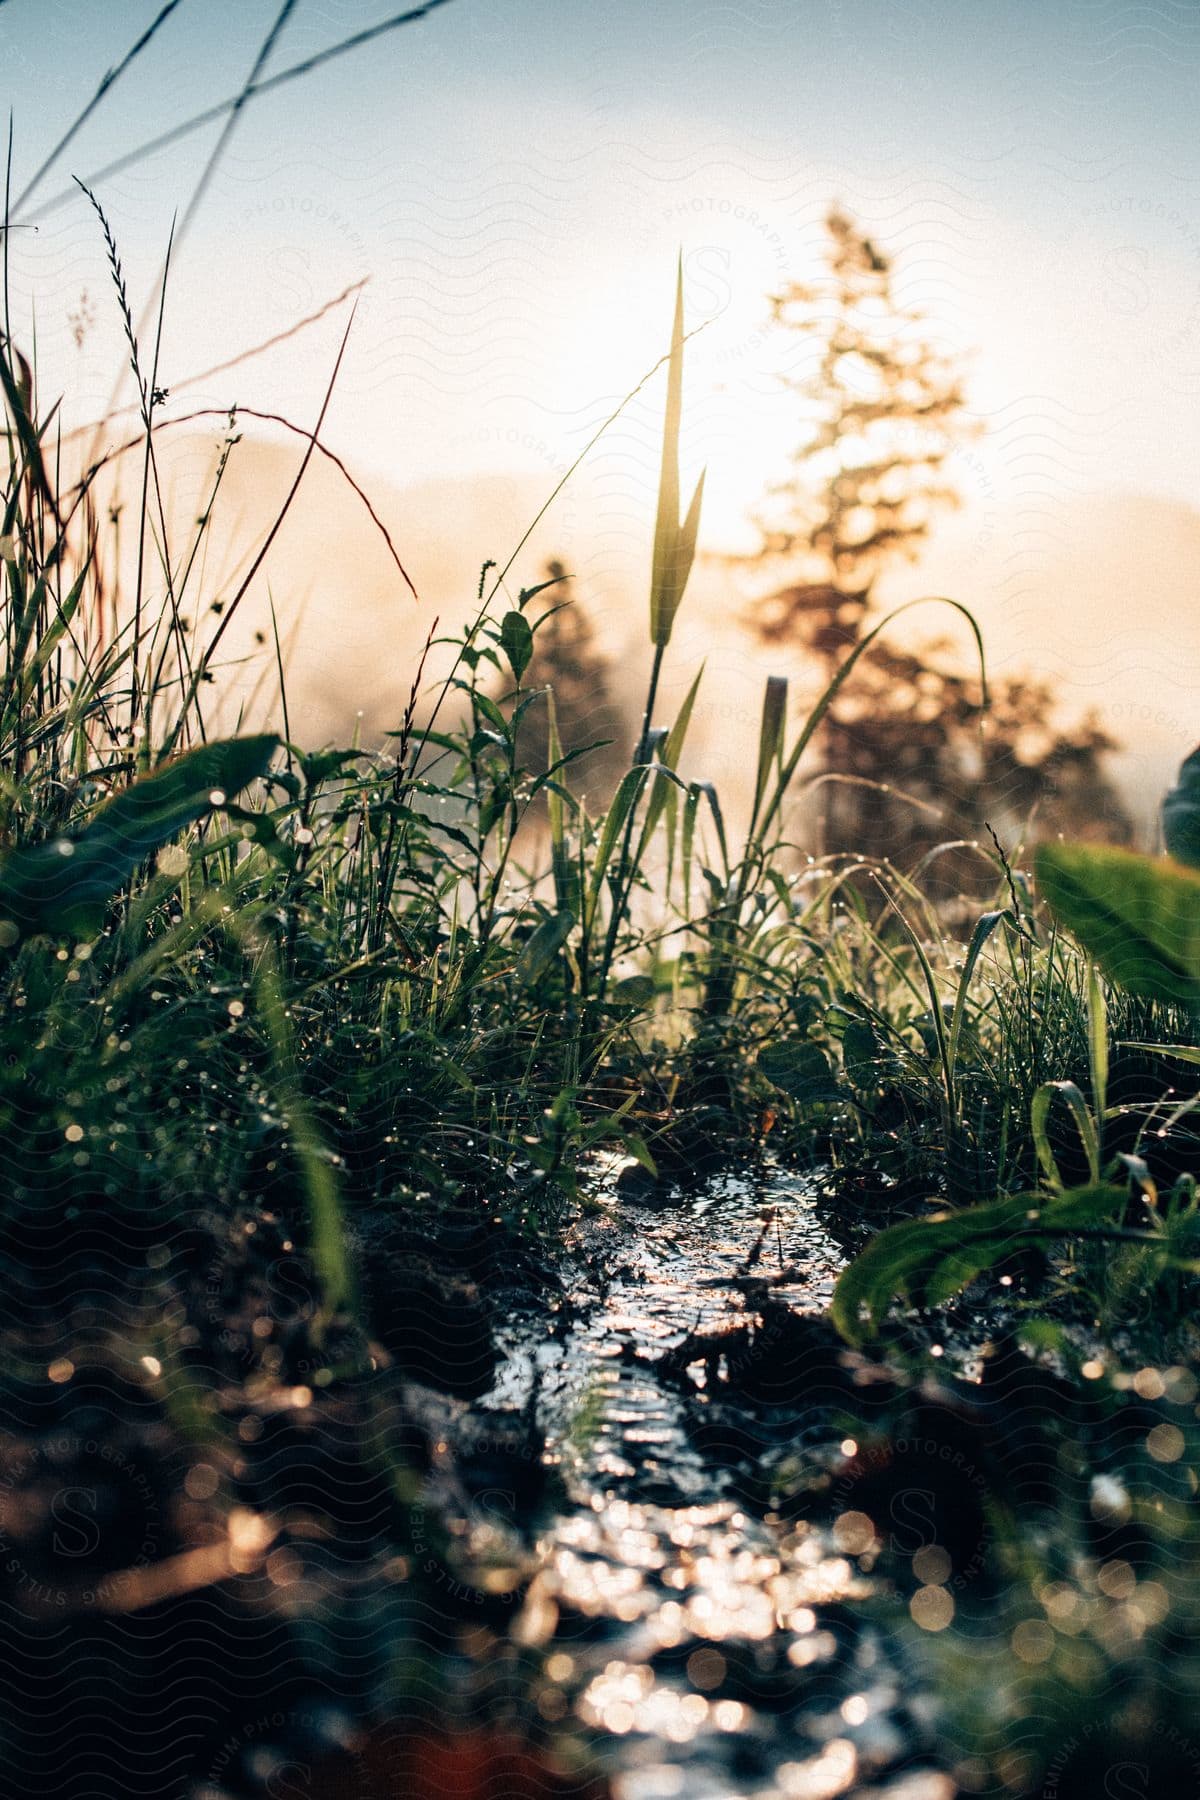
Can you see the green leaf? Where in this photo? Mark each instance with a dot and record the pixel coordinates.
(628, 790)
(1181, 814)
(770, 736)
(318, 1176)
(685, 542)
(927, 1260)
(635, 990)
(1138, 916)
(799, 1070)
(984, 928)
(669, 757)
(566, 879)
(687, 839)
(543, 945)
(1097, 1044)
(663, 600)
(812, 724)
(321, 764)
(1088, 1128)
(516, 640)
(636, 1147)
(490, 711)
(862, 1053)
(53, 636)
(674, 542)
(1184, 1053)
(531, 593)
(66, 884)
(708, 789)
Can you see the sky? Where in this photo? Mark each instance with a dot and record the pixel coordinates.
(516, 178)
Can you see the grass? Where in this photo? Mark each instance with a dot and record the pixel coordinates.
(377, 999)
(246, 978)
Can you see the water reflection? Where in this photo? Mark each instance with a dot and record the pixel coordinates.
(709, 1644)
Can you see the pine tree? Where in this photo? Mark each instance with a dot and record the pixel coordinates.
(882, 412)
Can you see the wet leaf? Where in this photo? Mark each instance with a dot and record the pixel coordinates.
(66, 884)
(927, 1260)
(543, 946)
(516, 639)
(799, 1070)
(1139, 916)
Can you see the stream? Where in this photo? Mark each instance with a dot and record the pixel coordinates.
(714, 1647)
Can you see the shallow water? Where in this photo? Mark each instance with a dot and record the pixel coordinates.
(716, 1651)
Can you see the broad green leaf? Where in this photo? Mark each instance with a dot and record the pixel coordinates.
(517, 641)
(926, 1261)
(321, 764)
(1181, 814)
(800, 1070)
(1138, 916)
(635, 990)
(862, 1053)
(636, 1147)
(65, 885)
(490, 711)
(543, 945)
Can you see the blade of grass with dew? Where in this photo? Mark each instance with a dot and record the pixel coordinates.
(1087, 1127)
(843, 674)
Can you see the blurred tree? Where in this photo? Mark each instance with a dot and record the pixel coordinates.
(882, 412)
(568, 658)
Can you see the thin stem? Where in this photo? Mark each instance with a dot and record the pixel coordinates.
(623, 881)
(252, 92)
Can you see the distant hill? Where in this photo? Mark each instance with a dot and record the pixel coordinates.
(1097, 593)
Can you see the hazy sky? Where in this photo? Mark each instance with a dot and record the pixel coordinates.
(516, 177)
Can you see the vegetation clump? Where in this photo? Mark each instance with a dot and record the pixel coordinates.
(312, 1058)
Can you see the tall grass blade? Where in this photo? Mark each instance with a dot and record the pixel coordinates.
(816, 716)
(1097, 1015)
(770, 737)
(674, 543)
(1087, 1127)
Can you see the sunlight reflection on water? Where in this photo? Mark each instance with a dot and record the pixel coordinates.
(708, 1641)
